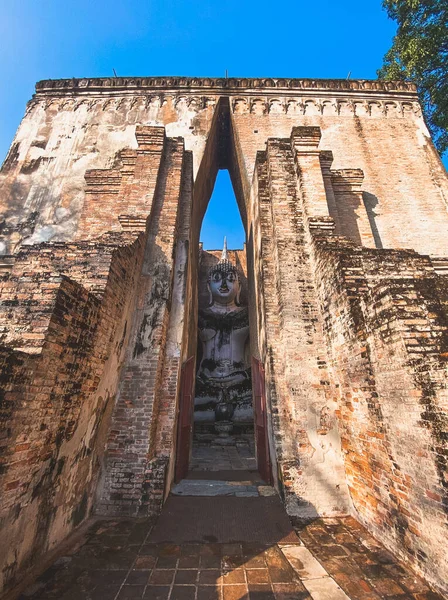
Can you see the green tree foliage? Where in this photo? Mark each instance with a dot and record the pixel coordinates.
(420, 53)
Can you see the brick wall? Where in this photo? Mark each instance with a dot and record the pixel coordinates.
(121, 198)
(141, 438)
(62, 344)
(357, 337)
(95, 324)
(301, 391)
(386, 324)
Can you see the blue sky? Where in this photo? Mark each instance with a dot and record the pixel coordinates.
(50, 39)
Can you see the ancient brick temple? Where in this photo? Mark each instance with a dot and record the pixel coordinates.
(344, 202)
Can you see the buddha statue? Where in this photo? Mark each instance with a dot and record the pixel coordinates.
(223, 330)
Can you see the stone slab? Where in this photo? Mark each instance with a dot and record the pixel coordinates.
(188, 487)
(324, 588)
(303, 562)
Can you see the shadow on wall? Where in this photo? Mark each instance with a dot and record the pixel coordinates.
(352, 218)
(371, 202)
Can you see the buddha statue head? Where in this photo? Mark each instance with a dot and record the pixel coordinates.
(223, 282)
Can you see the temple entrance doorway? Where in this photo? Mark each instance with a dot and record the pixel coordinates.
(223, 418)
(222, 407)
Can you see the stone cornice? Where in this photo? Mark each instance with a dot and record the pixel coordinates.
(229, 87)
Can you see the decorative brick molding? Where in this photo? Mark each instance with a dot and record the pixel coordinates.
(222, 84)
(323, 105)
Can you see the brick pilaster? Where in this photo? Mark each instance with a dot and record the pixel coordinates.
(347, 187)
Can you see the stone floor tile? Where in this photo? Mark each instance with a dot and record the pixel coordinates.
(148, 550)
(222, 458)
(387, 587)
(356, 587)
(325, 588)
(303, 562)
(138, 577)
(253, 549)
(105, 558)
(137, 537)
(111, 577)
(191, 487)
(74, 593)
(190, 549)
(186, 576)
(209, 592)
(235, 592)
(105, 592)
(168, 550)
(131, 592)
(145, 562)
(257, 576)
(233, 562)
(210, 562)
(210, 550)
(290, 591)
(166, 562)
(275, 558)
(183, 592)
(162, 577)
(333, 551)
(234, 576)
(255, 562)
(306, 538)
(374, 571)
(231, 550)
(281, 575)
(189, 562)
(157, 592)
(209, 577)
(259, 591)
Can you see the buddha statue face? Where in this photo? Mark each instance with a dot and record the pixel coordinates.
(223, 284)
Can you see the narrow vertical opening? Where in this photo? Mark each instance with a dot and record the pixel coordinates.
(222, 218)
(223, 427)
(224, 418)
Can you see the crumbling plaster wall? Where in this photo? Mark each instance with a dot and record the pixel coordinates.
(75, 126)
(405, 185)
(42, 183)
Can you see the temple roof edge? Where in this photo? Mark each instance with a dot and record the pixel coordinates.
(222, 86)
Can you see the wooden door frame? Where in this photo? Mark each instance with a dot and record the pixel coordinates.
(261, 420)
(184, 419)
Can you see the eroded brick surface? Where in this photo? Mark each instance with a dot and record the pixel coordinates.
(344, 203)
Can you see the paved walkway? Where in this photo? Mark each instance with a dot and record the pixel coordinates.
(331, 559)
